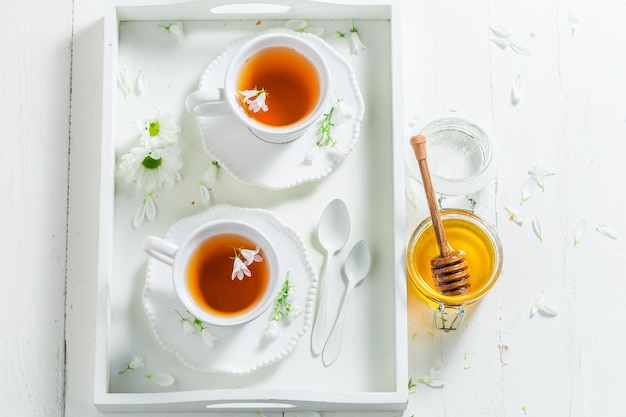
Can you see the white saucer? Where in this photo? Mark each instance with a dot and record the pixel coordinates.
(282, 166)
(240, 349)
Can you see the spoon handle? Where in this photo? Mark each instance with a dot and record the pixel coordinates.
(319, 333)
(331, 350)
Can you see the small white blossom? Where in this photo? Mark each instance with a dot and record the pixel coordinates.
(137, 362)
(240, 269)
(210, 174)
(574, 22)
(161, 379)
(516, 216)
(310, 156)
(258, 103)
(342, 113)
(251, 255)
(187, 322)
(356, 46)
(159, 130)
(175, 29)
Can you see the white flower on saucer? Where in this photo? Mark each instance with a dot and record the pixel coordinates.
(255, 99)
(240, 269)
(251, 255)
(158, 130)
(356, 46)
(208, 338)
(151, 168)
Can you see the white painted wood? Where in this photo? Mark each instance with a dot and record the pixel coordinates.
(34, 108)
(570, 118)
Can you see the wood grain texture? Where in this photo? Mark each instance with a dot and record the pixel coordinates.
(34, 115)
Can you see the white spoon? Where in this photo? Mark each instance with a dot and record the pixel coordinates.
(356, 268)
(333, 232)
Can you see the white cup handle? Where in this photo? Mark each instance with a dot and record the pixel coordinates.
(207, 102)
(160, 249)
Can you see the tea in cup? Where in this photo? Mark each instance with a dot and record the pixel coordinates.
(225, 272)
(277, 84)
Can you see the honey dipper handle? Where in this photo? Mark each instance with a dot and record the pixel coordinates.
(418, 143)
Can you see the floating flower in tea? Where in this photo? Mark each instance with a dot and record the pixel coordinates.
(255, 99)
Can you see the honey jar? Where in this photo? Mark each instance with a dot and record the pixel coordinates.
(470, 233)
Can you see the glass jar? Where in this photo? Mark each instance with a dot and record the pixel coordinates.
(470, 233)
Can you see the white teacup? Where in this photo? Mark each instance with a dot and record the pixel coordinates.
(207, 279)
(277, 84)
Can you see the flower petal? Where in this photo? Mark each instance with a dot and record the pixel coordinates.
(516, 216)
(528, 189)
(296, 24)
(606, 231)
(579, 231)
(140, 83)
(519, 47)
(538, 228)
(317, 31)
(516, 91)
(161, 379)
(150, 208)
(123, 81)
(208, 338)
(574, 21)
(139, 216)
(547, 310)
(500, 31)
(205, 194)
(502, 43)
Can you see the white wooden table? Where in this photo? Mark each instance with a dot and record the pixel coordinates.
(571, 119)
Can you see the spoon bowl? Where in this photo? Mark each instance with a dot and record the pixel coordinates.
(333, 232)
(356, 268)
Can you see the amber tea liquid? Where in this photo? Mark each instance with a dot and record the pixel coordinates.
(291, 81)
(209, 276)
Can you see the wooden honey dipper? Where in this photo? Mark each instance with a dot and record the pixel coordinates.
(449, 269)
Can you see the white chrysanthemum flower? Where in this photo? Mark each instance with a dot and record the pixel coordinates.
(240, 269)
(161, 379)
(356, 46)
(158, 130)
(151, 168)
(251, 255)
(146, 211)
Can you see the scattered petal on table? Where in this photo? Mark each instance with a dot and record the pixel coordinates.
(519, 47)
(606, 231)
(123, 81)
(574, 21)
(528, 189)
(141, 83)
(502, 43)
(501, 31)
(516, 91)
(579, 231)
(538, 228)
(516, 216)
(161, 379)
(547, 310)
(296, 24)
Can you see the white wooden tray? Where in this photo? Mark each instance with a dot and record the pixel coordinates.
(371, 372)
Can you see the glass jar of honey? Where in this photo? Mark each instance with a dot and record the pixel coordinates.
(465, 231)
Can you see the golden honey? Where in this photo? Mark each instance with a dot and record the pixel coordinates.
(464, 231)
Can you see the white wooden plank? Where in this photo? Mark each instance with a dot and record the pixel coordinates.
(34, 109)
